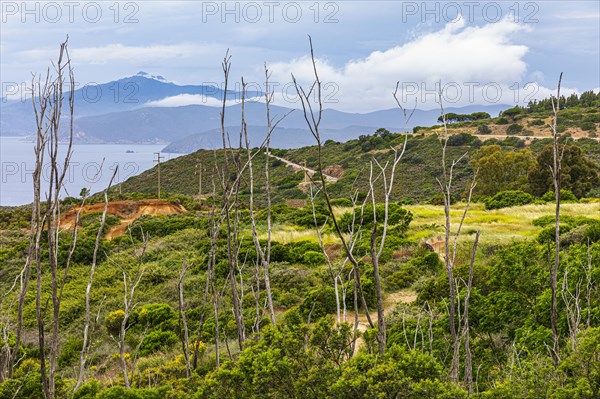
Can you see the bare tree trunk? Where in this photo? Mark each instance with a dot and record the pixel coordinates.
(36, 218)
(589, 286)
(47, 99)
(130, 283)
(237, 313)
(556, 181)
(185, 339)
(86, 326)
(446, 186)
(313, 121)
(468, 358)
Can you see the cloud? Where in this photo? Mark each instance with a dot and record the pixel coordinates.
(118, 52)
(194, 99)
(465, 56)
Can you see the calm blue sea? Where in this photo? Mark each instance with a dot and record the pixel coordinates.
(17, 163)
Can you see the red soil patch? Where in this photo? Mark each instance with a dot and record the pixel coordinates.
(128, 211)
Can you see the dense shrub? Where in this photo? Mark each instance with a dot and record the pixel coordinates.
(341, 202)
(161, 226)
(549, 233)
(398, 217)
(313, 258)
(509, 198)
(462, 139)
(318, 303)
(157, 340)
(515, 128)
(483, 129)
(565, 196)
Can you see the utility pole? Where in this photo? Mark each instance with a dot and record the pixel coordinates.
(157, 160)
(306, 175)
(199, 178)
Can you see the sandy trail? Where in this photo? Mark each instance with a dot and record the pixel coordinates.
(297, 167)
(128, 211)
(402, 296)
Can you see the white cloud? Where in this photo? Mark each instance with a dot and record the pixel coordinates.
(460, 55)
(194, 99)
(119, 52)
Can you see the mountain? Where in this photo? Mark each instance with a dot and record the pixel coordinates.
(202, 124)
(125, 111)
(92, 99)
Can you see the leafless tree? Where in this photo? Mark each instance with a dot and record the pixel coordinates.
(227, 206)
(465, 320)
(131, 280)
(263, 253)
(589, 286)
(184, 334)
(556, 182)
(313, 113)
(88, 291)
(451, 240)
(572, 301)
(48, 100)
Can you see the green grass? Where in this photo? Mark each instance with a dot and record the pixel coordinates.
(499, 226)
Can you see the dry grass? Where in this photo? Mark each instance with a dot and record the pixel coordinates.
(497, 226)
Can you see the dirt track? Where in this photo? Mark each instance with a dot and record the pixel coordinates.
(402, 296)
(297, 167)
(128, 211)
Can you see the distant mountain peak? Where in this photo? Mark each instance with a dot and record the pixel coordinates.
(146, 75)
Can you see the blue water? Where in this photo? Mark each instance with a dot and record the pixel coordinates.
(17, 163)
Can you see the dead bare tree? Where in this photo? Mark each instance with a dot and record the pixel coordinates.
(572, 301)
(589, 286)
(48, 100)
(263, 254)
(556, 182)
(184, 334)
(468, 380)
(41, 106)
(388, 186)
(446, 188)
(227, 205)
(131, 280)
(313, 113)
(88, 291)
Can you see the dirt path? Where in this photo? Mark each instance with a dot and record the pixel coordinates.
(503, 136)
(128, 211)
(297, 167)
(438, 244)
(402, 296)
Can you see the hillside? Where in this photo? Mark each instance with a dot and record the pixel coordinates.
(198, 295)
(579, 117)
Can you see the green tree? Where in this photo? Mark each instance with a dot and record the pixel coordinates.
(578, 174)
(502, 170)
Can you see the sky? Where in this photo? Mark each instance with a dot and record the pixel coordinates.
(480, 53)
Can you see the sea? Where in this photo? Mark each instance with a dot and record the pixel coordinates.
(91, 167)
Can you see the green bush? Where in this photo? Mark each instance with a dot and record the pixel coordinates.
(483, 129)
(536, 122)
(313, 258)
(565, 196)
(342, 202)
(438, 199)
(70, 351)
(549, 233)
(505, 199)
(462, 139)
(157, 340)
(515, 128)
(320, 301)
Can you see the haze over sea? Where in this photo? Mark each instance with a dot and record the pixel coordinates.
(17, 163)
